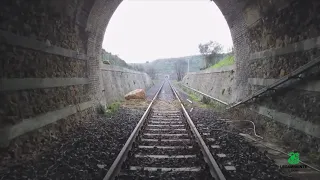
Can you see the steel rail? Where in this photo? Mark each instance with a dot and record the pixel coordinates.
(116, 166)
(214, 168)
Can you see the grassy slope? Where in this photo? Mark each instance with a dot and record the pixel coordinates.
(227, 61)
(113, 59)
(197, 99)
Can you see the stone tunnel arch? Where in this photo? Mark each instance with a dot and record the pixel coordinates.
(102, 12)
(48, 45)
(250, 24)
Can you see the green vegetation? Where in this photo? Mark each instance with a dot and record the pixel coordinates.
(108, 58)
(113, 108)
(100, 109)
(194, 97)
(109, 110)
(227, 61)
(213, 105)
(167, 66)
(211, 51)
(200, 100)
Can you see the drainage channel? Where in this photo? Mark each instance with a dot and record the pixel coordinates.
(165, 145)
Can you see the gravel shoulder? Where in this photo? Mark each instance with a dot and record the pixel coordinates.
(250, 163)
(86, 152)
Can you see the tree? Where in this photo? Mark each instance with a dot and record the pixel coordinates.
(210, 51)
(231, 50)
(181, 68)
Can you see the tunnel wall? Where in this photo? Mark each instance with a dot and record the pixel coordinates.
(271, 40)
(45, 82)
(50, 49)
(282, 40)
(118, 81)
(218, 83)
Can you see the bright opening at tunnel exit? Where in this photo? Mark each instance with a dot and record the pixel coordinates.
(141, 30)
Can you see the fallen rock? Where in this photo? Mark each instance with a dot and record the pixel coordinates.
(136, 94)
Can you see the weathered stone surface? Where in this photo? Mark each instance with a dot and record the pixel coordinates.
(18, 105)
(24, 63)
(117, 82)
(272, 67)
(31, 144)
(303, 104)
(213, 83)
(80, 25)
(43, 20)
(296, 22)
(136, 94)
(277, 132)
(282, 23)
(290, 120)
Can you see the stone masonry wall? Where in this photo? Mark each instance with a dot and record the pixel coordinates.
(279, 66)
(233, 12)
(56, 23)
(19, 105)
(277, 30)
(298, 21)
(17, 62)
(293, 22)
(45, 20)
(298, 103)
(217, 83)
(32, 144)
(79, 25)
(119, 81)
(276, 132)
(258, 25)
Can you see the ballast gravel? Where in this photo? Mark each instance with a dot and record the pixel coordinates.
(84, 153)
(249, 162)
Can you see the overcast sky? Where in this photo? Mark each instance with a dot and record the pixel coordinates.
(145, 30)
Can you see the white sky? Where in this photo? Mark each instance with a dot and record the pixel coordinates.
(145, 30)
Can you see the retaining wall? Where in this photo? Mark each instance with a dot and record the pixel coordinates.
(218, 83)
(118, 81)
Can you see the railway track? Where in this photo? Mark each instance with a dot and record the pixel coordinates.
(165, 144)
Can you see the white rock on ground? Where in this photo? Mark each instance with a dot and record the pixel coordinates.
(136, 94)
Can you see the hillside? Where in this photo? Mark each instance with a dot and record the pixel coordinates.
(113, 59)
(160, 67)
(227, 61)
(166, 66)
